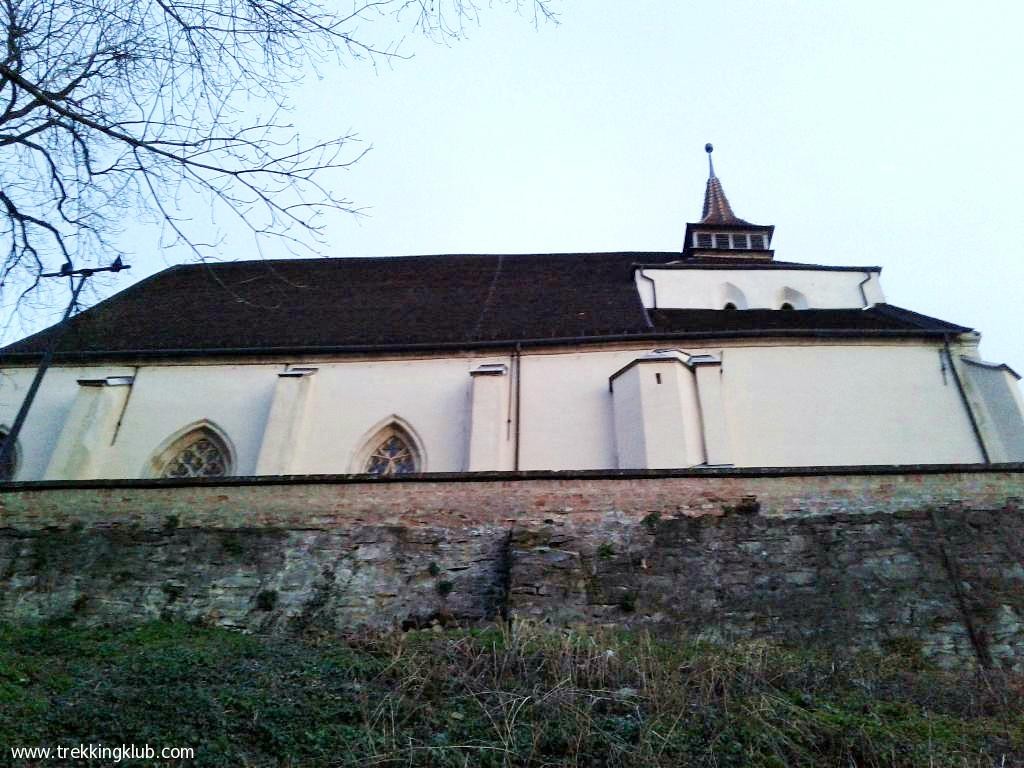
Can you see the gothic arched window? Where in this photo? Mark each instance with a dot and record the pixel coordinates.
(199, 453)
(393, 454)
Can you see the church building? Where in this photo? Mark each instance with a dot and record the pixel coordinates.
(716, 356)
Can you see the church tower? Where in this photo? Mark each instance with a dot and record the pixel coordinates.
(721, 234)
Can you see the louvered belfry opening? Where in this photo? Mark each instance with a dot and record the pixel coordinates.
(720, 233)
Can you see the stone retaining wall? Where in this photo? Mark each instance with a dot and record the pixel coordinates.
(854, 559)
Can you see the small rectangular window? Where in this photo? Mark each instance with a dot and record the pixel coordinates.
(739, 241)
(657, 377)
(757, 242)
(721, 240)
(703, 240)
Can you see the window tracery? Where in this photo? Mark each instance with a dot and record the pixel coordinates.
(394, 455)
(198, 454)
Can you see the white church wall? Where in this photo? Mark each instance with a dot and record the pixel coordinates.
(567, 417)
(658, 422)
(46, 419)
(490, 419)
(350, 401)
(628, 410)
(784, 405)
(90, 428)
(792, 404)
(167, 400)
(844, 404)
(287, 422)
(715, 432)
(760, 288)
(355, 399)
(996, 396)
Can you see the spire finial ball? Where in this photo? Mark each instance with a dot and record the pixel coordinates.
(709, 148)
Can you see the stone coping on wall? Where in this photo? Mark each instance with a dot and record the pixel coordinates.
(505, 500)
(523, 475)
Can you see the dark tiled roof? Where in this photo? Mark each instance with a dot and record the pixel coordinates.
(412, 302)
(883, 318)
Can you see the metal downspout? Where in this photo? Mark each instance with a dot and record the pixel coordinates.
(863, 293)
(654, 288)
(519, 378)
(653, 297)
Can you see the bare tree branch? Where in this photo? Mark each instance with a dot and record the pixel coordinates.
(120, 109)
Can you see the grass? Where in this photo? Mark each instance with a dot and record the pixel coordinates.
(525, 696)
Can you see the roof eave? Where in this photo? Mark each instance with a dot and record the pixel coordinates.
(843, 333)
(730, 226)
(760, 255)
(753, 265)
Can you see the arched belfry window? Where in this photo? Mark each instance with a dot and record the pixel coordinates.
(392, 450)
(731, 297)
(790, 298)
(200, 452)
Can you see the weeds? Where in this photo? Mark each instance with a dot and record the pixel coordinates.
(519, 695)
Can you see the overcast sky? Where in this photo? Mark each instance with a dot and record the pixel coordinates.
(868, 133)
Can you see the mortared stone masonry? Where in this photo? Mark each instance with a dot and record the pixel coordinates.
(851, 558)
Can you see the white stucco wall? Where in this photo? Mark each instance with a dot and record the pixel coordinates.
(761, 288)
(850, 404)
(783, 404)
(658, 422)
(51, 408)
(628, 409)
(167, 399)
(995, 394)
(356, 399)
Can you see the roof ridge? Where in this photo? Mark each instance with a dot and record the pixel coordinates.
(409, 257)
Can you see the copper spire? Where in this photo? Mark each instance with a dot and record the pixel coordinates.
(716, 205)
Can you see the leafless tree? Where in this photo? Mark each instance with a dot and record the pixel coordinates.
(115, 110)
